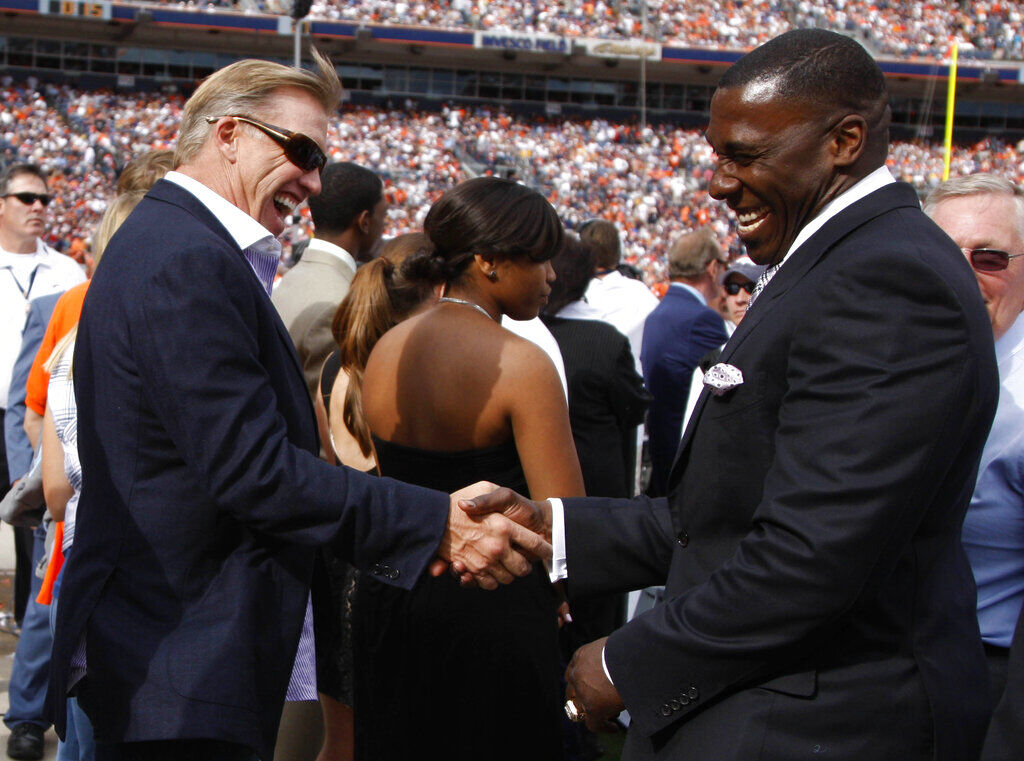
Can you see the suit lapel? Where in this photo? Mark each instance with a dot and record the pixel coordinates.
(169, 192)
(801, 262)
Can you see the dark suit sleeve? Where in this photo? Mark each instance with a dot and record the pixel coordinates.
(624, 544)
(19, 450)
(199, 358)
(880, 389)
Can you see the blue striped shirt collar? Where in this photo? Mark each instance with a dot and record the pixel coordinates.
(261, 249)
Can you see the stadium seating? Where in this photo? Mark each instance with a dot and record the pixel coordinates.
(653, 185)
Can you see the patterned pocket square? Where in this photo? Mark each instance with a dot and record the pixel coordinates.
(722, 378)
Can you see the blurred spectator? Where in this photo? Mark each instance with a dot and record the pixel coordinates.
(611, 297)
(984, 215)
(33, 269)
(737, 283)
(682, 329)
(349, 219)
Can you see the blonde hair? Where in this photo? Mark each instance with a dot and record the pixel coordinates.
(58, 351)
(379, 298)
(243, 89)
(145, 169)
(115, 215)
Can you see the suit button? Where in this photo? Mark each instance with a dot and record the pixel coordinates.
(393, 573)
(693, 693)
(375, 569)
(684, 540)
(666, 710)
(684, 699)
(676, 705)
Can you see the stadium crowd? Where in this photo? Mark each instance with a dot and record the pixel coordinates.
(986, 29)
(652, 185)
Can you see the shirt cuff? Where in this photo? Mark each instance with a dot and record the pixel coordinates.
(558, 570)
(604, 665)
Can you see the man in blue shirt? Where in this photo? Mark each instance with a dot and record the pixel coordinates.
(984, 215)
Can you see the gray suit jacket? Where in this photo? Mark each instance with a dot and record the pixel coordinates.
(306, 298)
(19, 450)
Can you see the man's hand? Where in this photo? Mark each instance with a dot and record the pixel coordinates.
(486, 549)
(587, 685)
(535, 516)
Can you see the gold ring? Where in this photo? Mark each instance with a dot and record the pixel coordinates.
(573, 711)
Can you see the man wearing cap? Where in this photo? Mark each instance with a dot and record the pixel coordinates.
(737, 284)
(681, 330)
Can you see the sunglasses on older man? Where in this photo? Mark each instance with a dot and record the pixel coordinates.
(733, 287)
(989, 259)
(299, 149)
(30, 198)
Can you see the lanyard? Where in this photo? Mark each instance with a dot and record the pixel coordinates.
(25, 292)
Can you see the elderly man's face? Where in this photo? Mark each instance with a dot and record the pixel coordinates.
(272, 186)
(989, 221)
(20, 220)
(773, 170)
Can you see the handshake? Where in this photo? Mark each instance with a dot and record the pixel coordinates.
(493, 535)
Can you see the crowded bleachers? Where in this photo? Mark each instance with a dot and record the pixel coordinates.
(986, 29)
(652, 185)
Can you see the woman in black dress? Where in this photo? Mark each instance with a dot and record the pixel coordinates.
(451, 397)
(378, 300)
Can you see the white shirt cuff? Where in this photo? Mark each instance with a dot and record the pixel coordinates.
(558, 570)
(604, 665)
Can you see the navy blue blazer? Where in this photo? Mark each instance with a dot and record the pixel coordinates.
(19, 448)
(817, 598)
(677, 334)
(203, 498)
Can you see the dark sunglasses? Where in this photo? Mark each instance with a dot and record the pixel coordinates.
(30, 198)
(989, 259)
(733, 288)
(300, 149)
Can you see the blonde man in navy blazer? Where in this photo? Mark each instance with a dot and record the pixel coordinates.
(184, 621)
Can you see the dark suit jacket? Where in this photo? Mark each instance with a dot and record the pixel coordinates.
(818, 600)
(19, 449)
(1005, 738)
(607, 401)
(203, 499)
(677, 334)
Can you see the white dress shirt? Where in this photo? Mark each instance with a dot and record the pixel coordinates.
(620, 301)
(24, 277)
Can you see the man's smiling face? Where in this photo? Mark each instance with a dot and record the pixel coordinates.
(271, 186)
(774, 168)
